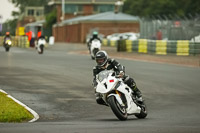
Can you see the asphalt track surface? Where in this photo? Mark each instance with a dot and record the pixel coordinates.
(57, 85)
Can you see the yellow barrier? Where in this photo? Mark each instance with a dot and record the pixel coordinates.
(112, 43)
(161, 47)
(27, 43)
(1, 41)
(105, 42)
(142, 48)
(128, 45)
(182, 47)
(18, 41)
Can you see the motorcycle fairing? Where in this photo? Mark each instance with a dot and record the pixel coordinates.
(107, 82)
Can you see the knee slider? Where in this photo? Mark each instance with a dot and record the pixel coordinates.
(130, 82)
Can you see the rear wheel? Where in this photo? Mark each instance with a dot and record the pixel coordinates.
(41, 49)
(117, 109)
(143, 112)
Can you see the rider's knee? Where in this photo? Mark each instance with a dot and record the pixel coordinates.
(129, 81)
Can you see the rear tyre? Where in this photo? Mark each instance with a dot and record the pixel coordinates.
(117, 109)
(42, 48)
(143, 113)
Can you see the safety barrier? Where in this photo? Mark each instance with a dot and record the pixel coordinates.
(109, 43)
(160, 47)
(18, 41)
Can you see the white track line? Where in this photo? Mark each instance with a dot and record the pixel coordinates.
(36, 116)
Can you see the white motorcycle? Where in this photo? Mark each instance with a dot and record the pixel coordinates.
(40, 45)
(118, 96)
(7, 44)
(95, 46)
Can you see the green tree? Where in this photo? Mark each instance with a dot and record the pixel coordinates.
(51, 18)
(144, 8)
(9, 25)
(23, 3)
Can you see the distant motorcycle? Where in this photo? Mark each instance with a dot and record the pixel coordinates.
(95, 46)
(7, 44)
(40, 45)
(118, 96)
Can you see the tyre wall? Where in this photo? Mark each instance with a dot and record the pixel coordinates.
(160, 47)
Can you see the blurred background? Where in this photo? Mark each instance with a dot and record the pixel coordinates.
(75, 20)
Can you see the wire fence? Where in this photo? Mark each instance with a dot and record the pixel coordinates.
(165, 29)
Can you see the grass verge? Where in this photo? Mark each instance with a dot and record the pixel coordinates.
(10, 111)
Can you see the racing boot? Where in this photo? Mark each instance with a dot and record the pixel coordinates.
(131, 83)
(138, 95)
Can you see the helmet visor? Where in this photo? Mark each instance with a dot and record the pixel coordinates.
(100, 61)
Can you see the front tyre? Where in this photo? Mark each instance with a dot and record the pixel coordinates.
(92, 57)
(7, 49)
(95, 51)
(117, 109)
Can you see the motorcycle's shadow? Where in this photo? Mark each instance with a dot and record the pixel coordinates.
(113, 119)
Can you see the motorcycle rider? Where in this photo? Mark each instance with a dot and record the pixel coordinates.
(7, 37)
(94, 36)
(103, 62)
(40, 37)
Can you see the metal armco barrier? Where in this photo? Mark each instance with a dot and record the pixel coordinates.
(160, 47)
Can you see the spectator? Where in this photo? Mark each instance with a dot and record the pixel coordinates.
(159, 35)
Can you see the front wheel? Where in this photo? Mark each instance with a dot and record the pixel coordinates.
(117, 109)
(95, 51)
(7, 49)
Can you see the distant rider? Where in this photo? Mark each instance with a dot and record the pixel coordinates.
(40, 37)
(94, 36)
(6, 37)
(105, 63)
